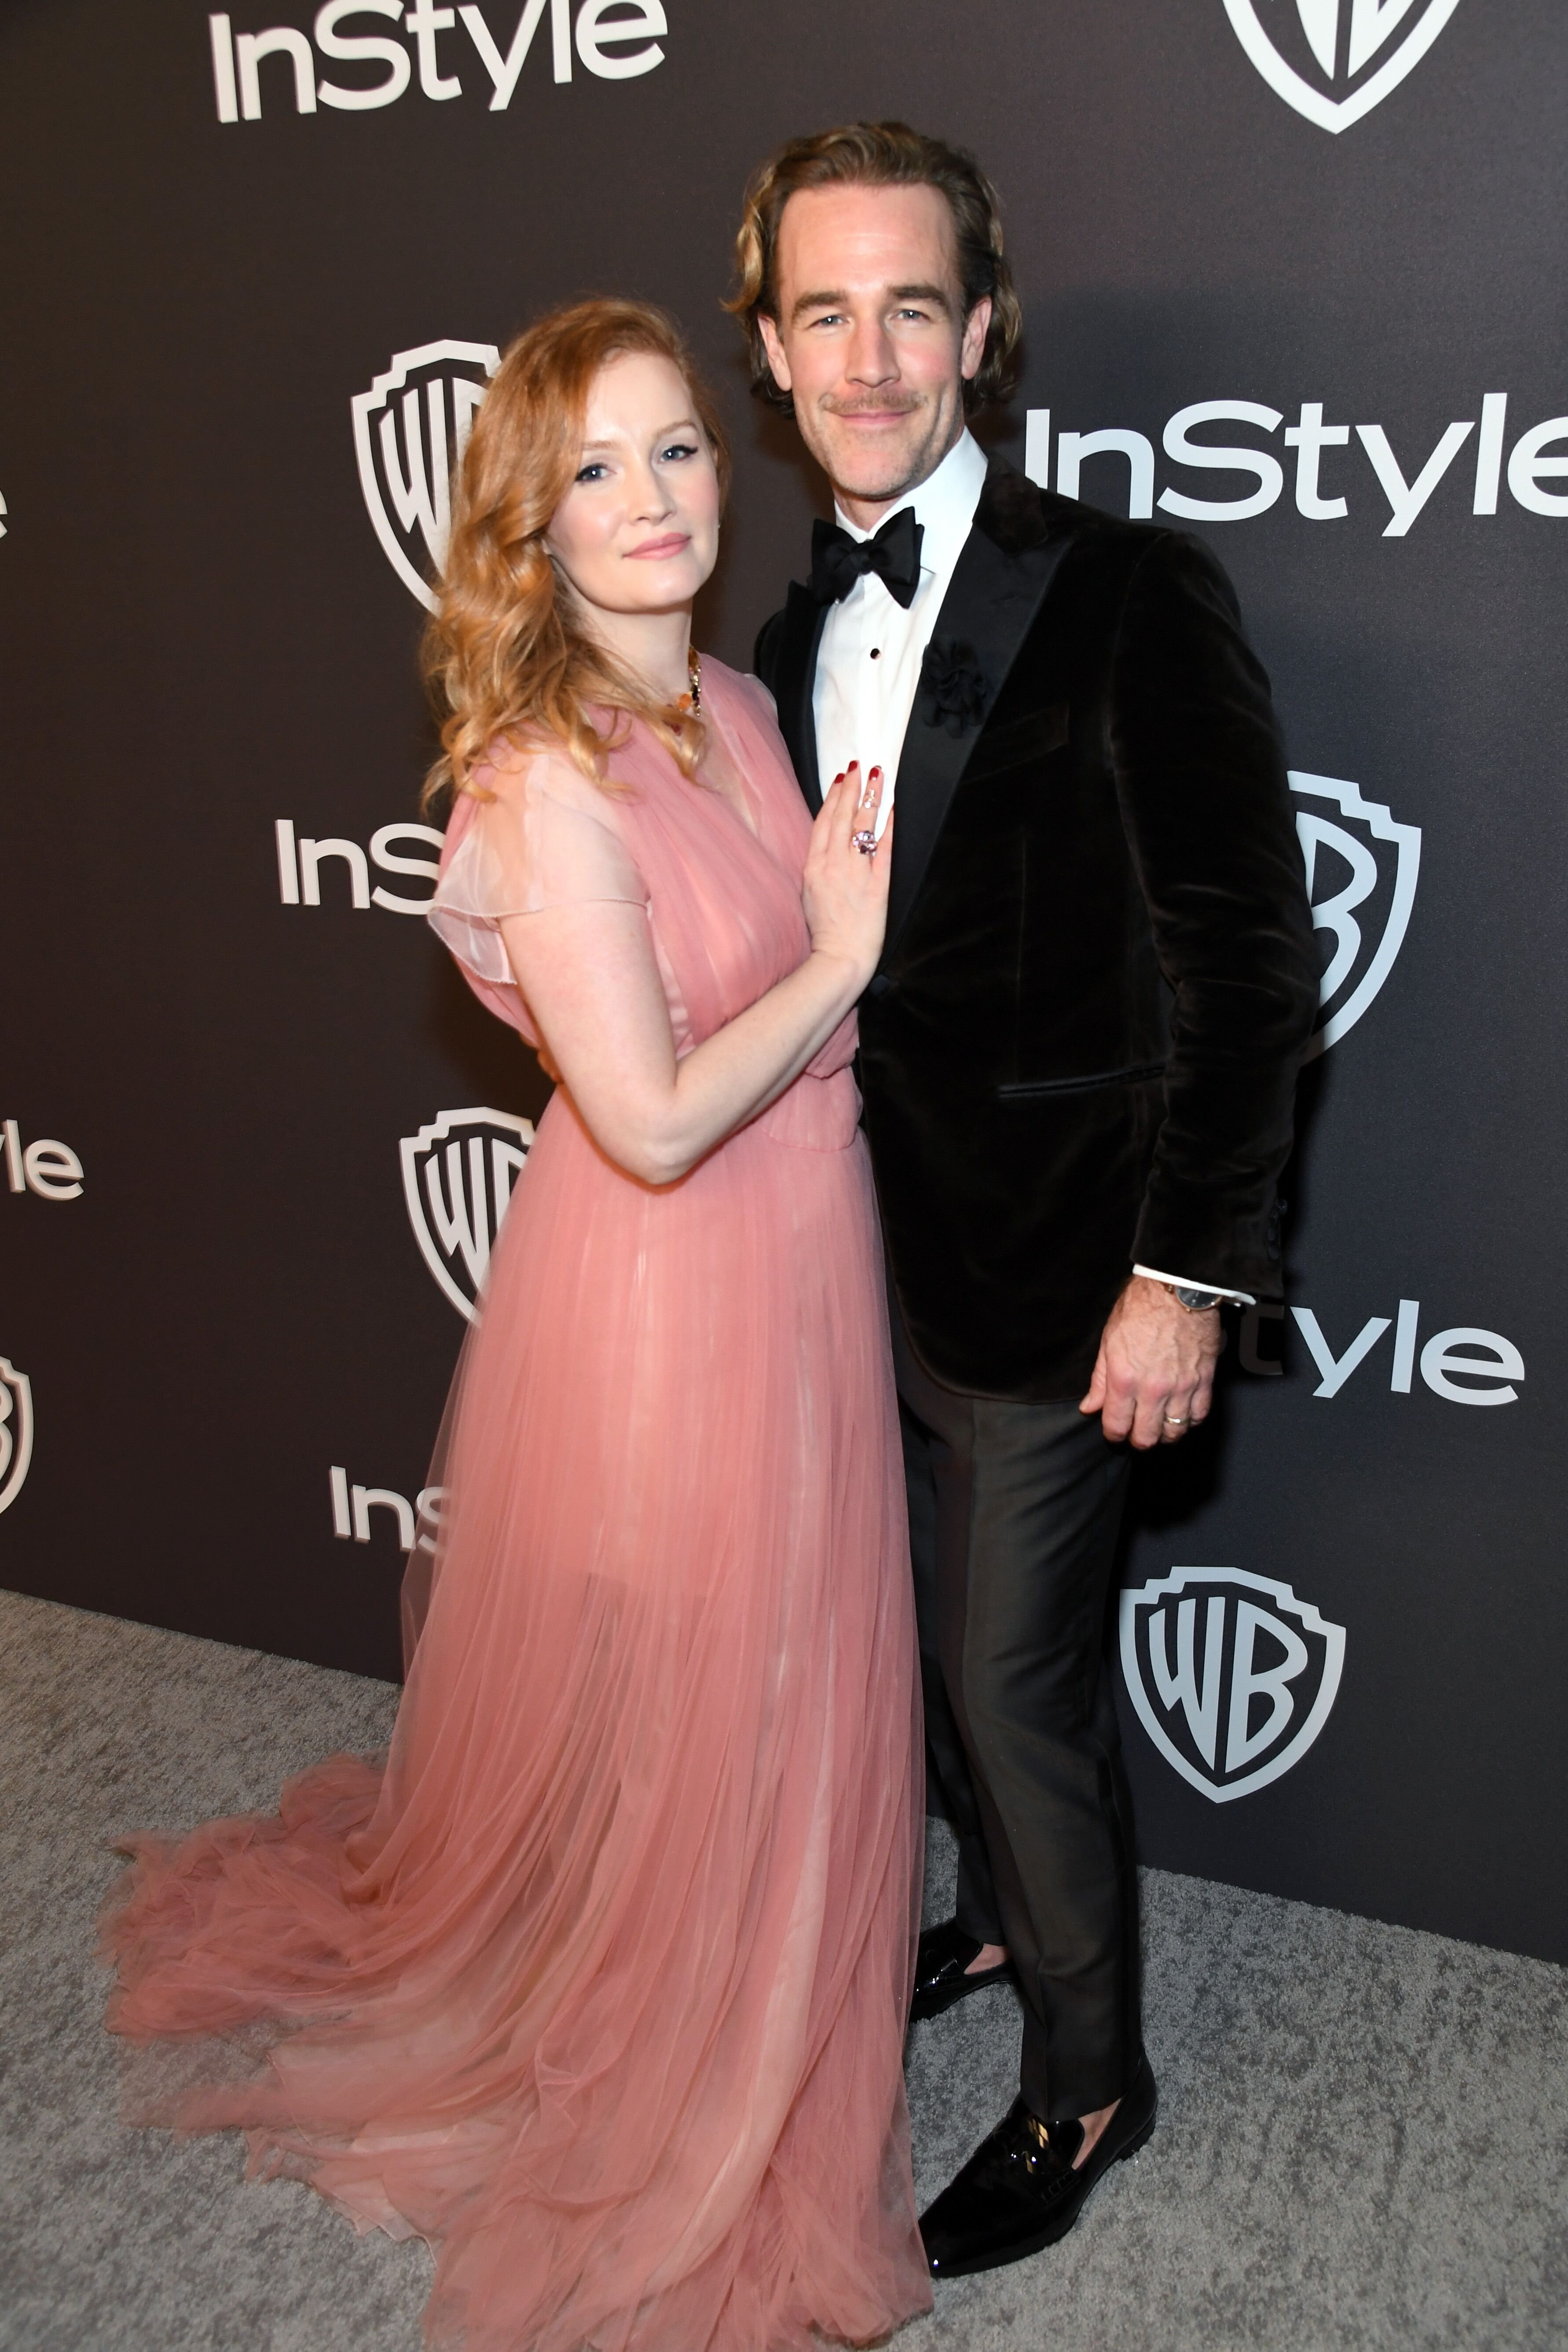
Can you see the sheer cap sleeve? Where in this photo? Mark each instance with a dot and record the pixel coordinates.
(544, 839)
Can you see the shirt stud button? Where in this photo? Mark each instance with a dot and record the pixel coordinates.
(876, 653)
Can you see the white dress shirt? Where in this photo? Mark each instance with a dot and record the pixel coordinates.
(868, 661)
(868, 658)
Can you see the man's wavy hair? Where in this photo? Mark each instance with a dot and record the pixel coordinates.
(880, 155)
(508, 655)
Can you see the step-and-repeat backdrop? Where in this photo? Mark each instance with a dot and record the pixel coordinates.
(1293, 278)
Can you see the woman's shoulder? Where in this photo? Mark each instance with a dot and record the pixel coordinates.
(532, 830)
(739, 690)
(515, 776)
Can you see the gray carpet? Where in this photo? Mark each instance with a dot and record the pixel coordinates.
(1363, 2138)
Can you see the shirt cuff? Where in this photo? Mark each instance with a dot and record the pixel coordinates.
(1186, 1282)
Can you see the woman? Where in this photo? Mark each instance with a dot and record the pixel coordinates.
(601, 1986)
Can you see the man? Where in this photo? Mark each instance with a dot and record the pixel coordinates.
(1077, 1058)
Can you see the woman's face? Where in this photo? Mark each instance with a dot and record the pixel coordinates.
(638, 530)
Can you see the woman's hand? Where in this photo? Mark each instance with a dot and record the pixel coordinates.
(845, 890)
(588, 971)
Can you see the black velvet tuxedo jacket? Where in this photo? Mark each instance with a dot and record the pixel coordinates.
(1080, 1047)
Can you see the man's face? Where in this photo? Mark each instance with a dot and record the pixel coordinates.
(871, 339)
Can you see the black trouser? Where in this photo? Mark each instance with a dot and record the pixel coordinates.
(1014, 1513)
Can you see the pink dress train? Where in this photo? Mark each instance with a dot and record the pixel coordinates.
(599, 1982)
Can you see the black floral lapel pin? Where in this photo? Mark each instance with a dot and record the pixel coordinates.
(953, 688)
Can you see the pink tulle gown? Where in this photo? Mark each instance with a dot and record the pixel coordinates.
(599, 1983)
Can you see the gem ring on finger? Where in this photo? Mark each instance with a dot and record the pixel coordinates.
(865, 840)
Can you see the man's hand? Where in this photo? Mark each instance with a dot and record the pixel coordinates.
(1153, 1378)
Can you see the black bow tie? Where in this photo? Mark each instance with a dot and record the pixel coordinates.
(894, 553)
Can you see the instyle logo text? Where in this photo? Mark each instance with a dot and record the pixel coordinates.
(447, 50)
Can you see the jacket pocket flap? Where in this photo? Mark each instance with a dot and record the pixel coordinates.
(1134, 1073)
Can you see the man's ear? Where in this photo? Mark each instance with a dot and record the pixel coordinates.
(972, 351)
(772, 343)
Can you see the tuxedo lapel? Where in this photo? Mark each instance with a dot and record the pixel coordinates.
(795, 676)
(1008, 563)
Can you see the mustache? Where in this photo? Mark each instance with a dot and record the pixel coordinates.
(873, 404)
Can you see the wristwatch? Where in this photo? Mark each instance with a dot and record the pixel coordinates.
(1196, 1302)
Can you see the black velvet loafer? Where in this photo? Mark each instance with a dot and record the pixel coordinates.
(940, 1971)
(1018, 2190)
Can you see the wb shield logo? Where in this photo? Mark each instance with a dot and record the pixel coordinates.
(410, 429)
(1231, 1677)
(15, 1432)
(1360, 878)
(1334, 60)
(458, 1175)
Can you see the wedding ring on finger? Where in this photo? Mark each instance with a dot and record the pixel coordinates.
(1176, 1420)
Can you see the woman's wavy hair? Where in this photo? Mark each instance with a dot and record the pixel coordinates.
(880, 155)
(507, 652)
